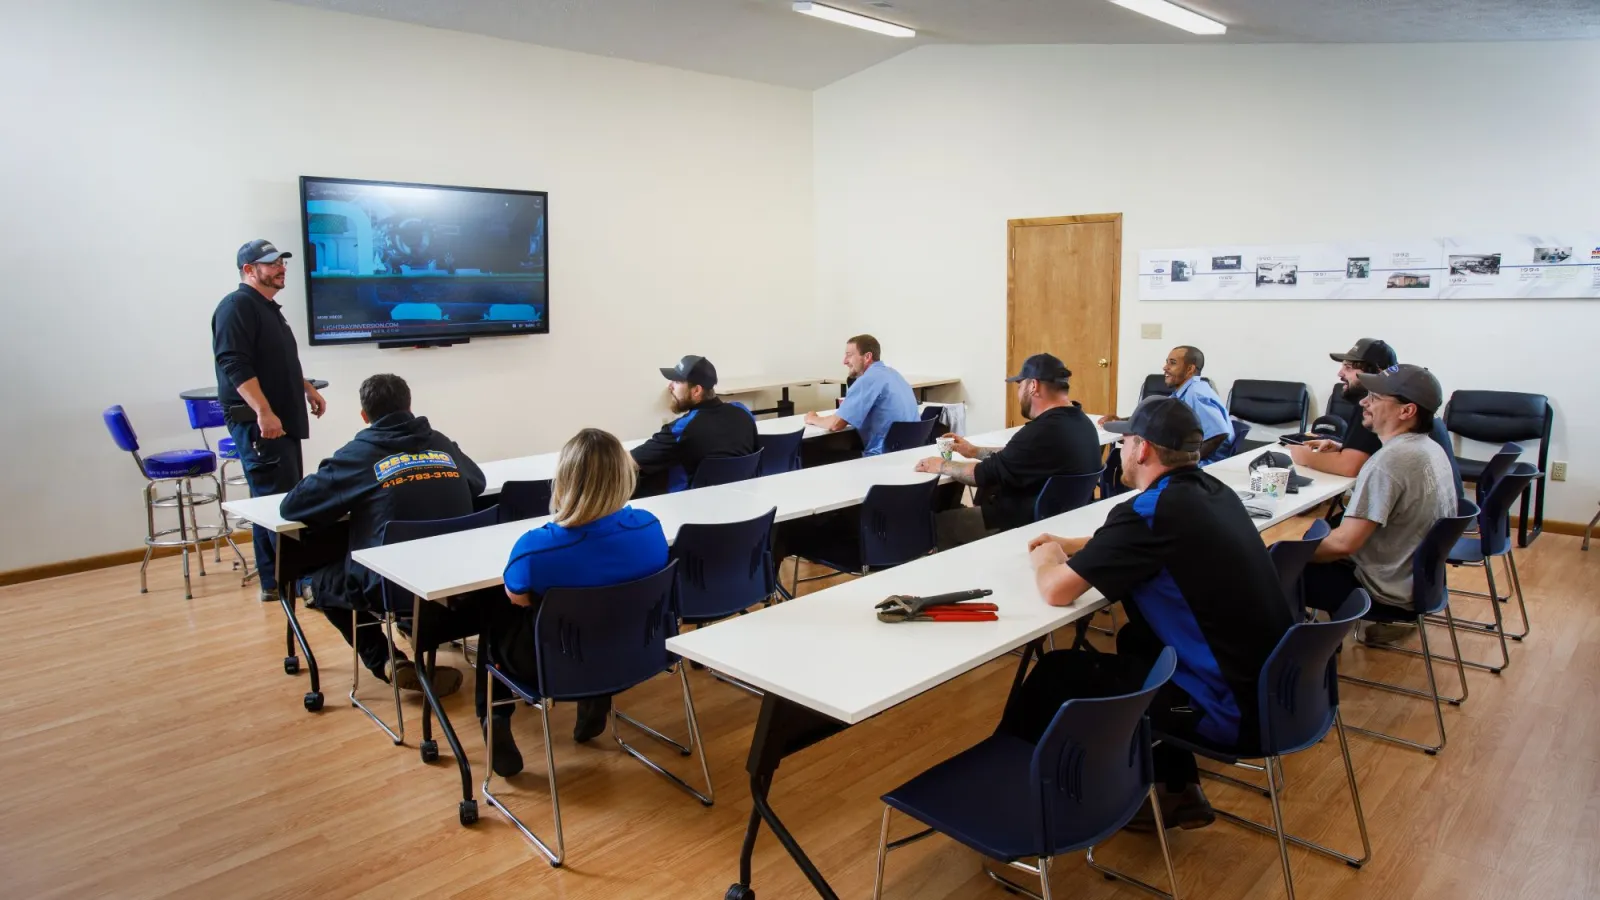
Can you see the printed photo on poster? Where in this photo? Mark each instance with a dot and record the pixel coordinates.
(1551, 255)
(1475, 264)
(1226, 263)
(1358, 267)
(1410, 280)
(1181, 270)
(1277, 273)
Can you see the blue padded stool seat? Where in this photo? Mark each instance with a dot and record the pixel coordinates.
(180, 463)
(226, 449)
(967, 798)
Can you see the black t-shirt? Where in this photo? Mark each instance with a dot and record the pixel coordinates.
(1190, 567)
(250, 338)
(1059, 441)
(1359, 437)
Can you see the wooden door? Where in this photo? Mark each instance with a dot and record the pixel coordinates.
(1064, 283)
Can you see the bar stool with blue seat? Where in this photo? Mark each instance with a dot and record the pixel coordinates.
(1012, 800)
(178, 468)
(595, 642)
(716, 470)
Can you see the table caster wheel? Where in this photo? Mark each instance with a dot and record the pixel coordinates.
(739, 892)
(291, 665)
(430, 753)
(468, 811)
(314, 701)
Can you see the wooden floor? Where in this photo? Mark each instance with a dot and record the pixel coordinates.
(153, 746)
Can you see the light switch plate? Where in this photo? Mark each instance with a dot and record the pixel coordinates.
(1150, 331)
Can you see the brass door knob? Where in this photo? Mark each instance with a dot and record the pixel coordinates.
(1104, 363)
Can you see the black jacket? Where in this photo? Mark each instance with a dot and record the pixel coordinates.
(712, 429)
(397, 468)
(250, 338)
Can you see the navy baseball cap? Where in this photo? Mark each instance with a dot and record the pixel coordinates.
(260, 251)
(1043, 367)
(1163, 421)
(1371, 351)
(693, 370)
(1411, 383)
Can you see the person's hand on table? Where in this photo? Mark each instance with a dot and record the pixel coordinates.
(1324, 445)
(1301, 454)
(1046, 552)
(314, 398)
(1043, 539)
(813, 418)
(269, 423)
(930, 465)
(1104, 419)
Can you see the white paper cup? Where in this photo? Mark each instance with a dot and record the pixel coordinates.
(946, 447)
(1270, 480)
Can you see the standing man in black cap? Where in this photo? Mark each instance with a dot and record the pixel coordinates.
(706, 427)
(263, 393)
(1057, 439)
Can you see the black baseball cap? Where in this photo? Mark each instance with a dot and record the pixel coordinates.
(260, 251)
(1163, 421)
(1276, 460)
(1043, 367)
(1371, 351)
(1412, 383)
(693, 370)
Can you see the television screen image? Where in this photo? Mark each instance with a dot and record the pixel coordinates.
(406, 263)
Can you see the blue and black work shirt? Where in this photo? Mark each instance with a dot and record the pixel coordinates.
(712, 429)
(1187, 562)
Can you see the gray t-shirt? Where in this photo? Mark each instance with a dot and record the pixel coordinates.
(1406, 487)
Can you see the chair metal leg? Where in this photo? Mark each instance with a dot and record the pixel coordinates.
(1283, 845)
(355, 678)
(1589, 532)
(183, 537)
(558, 855)
(885, 845)
(1522, 603)
(707, 798)
(1166, 857)
(1433, 688)
(150, 536)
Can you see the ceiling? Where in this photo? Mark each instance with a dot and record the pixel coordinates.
(763, 40)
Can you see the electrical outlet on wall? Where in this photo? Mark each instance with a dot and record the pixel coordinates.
(1558, 471)
(1150, 331)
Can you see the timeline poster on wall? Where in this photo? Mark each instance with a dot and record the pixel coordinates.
(1357, 271)
(1517, 266)
(1218, 273)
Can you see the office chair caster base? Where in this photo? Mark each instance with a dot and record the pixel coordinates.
(430, 752)
(314, 701)
(468, 811)
(739, 892)
(291, 665)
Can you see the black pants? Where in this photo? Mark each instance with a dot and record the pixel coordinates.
(368, 640)
(1328, 585)
(512, 650)
(338, 599)
(1064, 675)
(271, 467)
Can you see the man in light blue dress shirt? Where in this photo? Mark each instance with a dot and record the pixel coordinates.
(877, 398)
(1182, 374)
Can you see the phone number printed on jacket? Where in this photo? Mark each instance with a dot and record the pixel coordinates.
(390, 466)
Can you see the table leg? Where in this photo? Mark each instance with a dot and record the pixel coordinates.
(467, 810)
(783, 728)
(294, 635)
(785, 406)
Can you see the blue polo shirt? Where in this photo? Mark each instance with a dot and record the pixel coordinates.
(1208, 407)
(878, 399)
(624, 546)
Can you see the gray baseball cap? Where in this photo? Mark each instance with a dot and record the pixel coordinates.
(260, 251)
(1412, 383)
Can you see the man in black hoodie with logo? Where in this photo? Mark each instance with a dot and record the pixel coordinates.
(397, 468)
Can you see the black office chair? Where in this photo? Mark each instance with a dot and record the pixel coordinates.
(1156, 386)
(1347, 410)
(524, 500)
(907, 435)
(1269, 403)
(717, 470)
(1499, 417)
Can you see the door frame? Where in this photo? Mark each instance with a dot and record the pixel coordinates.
(1116, 285)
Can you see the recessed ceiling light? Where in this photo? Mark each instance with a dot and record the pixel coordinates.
(1174, 15)
(854, 20)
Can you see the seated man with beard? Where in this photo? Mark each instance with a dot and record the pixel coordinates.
(707, 427)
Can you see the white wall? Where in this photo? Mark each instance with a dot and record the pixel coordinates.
(921, 160)
(141, 144)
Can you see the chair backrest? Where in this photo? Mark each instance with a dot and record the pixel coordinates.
(1241, 433)
(906, 435)
(604, 640)
(397, 598)
(1347, 410)
(780, 452)
(1494, 516)
(121, 429)
(1093, 767)
(1495, 417)
(897, 523)
(1154, 386)
(524, 500)
(932, 413)
(1428, 564)
(723, 568)
(1270, 402)
(1299, 687)
(715, 470)
(1498, 465)
(1441, 436)
(205, 413)
(1065, 493)
(1290, 559)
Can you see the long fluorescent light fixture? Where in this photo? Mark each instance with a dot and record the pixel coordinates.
(1173, 15)
(855, 20)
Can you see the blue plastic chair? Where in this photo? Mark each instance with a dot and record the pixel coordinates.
(896, 527)
(907, 435)
(780, 452)
(1297, 699)
(1429, 597)
(1290, 558)
(1491, 471)
(1241, 434)
(597, 642)
(932, 413)
(717, 470)
(723, 569)
(520, 500)
(1012, 800)
(178, 468)
(1065, 493)
(1493, 539)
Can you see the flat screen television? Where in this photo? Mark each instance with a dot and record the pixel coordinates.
(416, 264)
